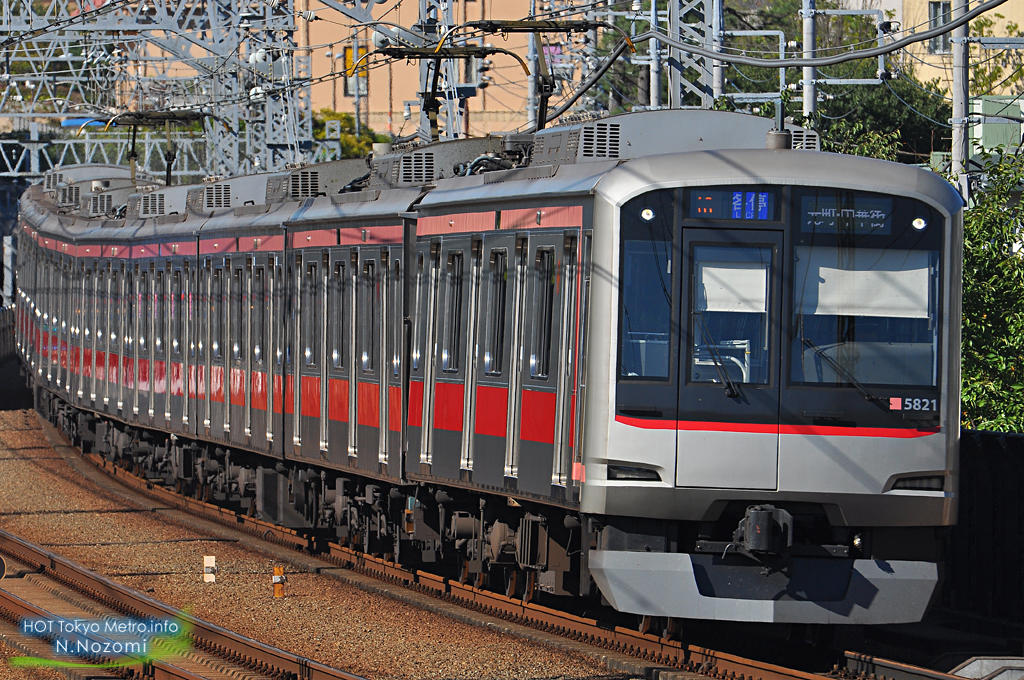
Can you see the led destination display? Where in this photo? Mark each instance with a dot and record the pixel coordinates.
(733, 204)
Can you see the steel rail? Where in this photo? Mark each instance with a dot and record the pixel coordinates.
(205, 635)
(690, 658)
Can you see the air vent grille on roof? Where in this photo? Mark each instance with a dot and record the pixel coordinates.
(305, 183)
(100, 204)
(216, 196)
(152, 205)
(70, 195)
(417, 168)
(807, 140)
(52, 180)
(601, 140)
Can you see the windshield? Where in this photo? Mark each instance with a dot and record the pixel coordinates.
(865, 291)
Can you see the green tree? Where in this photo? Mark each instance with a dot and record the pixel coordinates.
(993, 303)
(352, 145)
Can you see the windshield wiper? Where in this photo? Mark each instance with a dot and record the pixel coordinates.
(731, 390)
(845, 373)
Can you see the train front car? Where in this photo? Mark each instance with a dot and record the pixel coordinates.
(778, 439)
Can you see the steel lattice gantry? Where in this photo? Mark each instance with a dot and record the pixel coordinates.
(230, 58)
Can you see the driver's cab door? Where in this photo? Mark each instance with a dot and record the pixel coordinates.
(728, 426)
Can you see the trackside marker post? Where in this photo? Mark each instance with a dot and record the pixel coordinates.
(209, 569)
(278, 581)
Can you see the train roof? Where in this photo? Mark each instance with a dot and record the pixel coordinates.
(616, 157)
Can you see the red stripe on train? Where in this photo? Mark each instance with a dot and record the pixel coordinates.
(394, 408)
(771, 428)
(337, 400)
(538, 420)
(309, 400)
(368, 404)
(491, 410)
(448, 406)
(415, 403)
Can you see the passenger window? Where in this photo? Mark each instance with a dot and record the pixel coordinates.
(177, 317)
(216, 309)
(452, 344)
(419, 326)
(129, 297)
(395, 311)
(311, 316)
(336, 315)
(145, 313)
(368, 316)
(257, 310)
(237, 313)
(543, 310)
(159, 318)
(729, 314)
(494, 340)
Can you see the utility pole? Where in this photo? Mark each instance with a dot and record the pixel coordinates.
(717, 66)
(654, 46)
(961, 92)
(531, 81)
(810, 87)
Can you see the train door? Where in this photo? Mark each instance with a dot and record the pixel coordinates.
(220, 352)
(236, 394)
(546, 282)
(494, 329)
(335, 416)
(421, 364)
(259, 354)
(312, 292)
(277, 335)
(371, 280)
(192, 314)
(728, 432)
(143, 344)
(176, 350)
(158, 411)
(449, 384)
(392, 348)
(83, 285)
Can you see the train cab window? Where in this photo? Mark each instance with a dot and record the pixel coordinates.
(865, 291)
(452, 344)
(729, 314)
(497, 290)
(311, 321)
(646, 300)
(368, 317)
(176, 314)
(257, 312)
(238, 301)
(336, 316)
(216, 312)
(543, 312)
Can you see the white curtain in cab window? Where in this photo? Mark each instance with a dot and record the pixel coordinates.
(733, 287)
(862, 282)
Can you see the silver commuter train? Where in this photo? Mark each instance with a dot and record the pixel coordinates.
(642, 356)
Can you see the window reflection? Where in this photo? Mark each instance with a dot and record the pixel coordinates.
(729, 315)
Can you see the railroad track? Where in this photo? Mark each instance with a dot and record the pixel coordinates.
(657, 657)
(57, 589)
